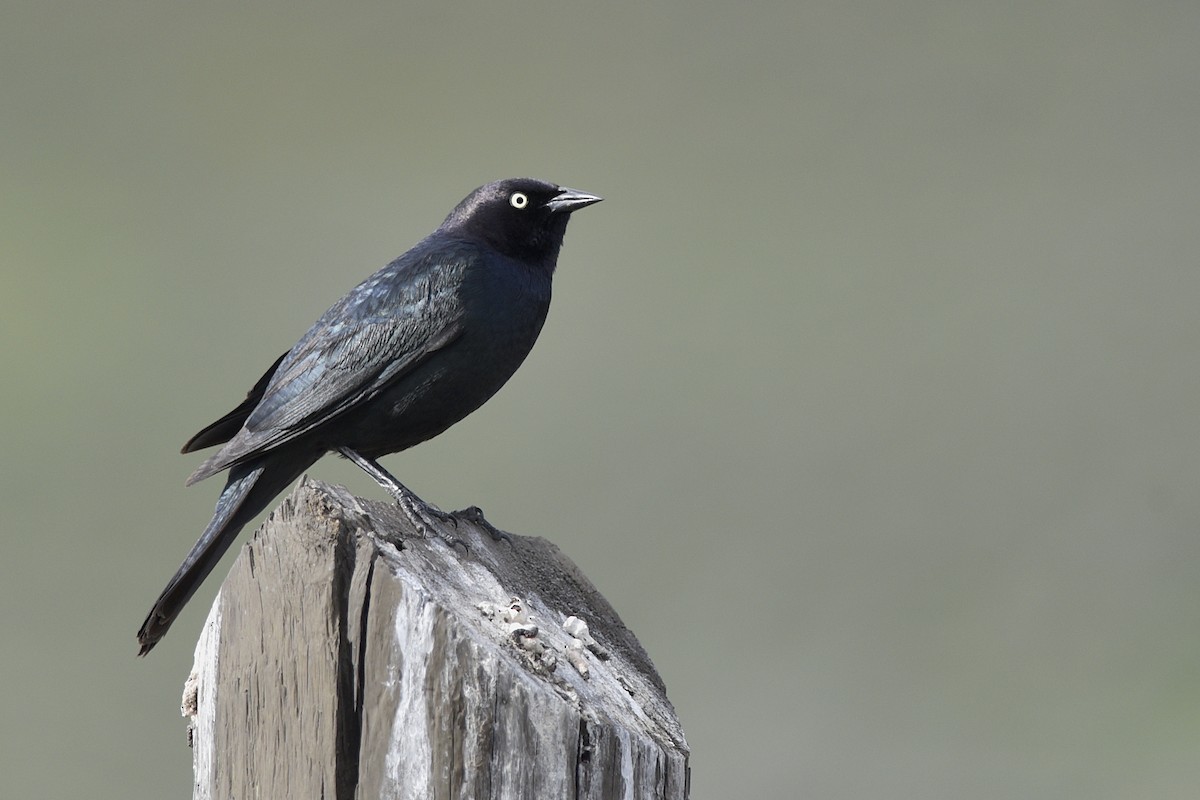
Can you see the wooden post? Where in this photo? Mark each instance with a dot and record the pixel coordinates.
(348, 657)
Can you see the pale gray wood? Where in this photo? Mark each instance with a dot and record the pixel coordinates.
(347, 657)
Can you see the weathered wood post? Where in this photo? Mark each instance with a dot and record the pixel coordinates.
(348, 657)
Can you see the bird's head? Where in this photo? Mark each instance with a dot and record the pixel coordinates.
(521, 217)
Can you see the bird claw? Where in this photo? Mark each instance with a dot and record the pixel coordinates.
(441, 516)
(426, 518)
(420, 513)
(475, 514)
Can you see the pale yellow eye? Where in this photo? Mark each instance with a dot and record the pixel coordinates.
(518, 200)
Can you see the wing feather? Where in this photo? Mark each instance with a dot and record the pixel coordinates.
(377, 333)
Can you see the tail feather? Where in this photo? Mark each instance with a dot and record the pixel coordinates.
(250, 488)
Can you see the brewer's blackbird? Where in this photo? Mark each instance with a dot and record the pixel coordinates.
(406, 354)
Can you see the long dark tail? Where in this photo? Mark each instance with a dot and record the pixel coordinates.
(250, 488)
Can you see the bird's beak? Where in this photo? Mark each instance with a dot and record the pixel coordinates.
(568, 200)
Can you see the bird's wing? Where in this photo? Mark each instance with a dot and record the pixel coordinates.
(381, 330)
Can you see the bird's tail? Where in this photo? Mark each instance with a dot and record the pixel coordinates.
(249, 489)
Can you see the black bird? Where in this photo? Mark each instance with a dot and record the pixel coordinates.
(406, 354)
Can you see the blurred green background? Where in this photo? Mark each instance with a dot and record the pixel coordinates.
(870, 397)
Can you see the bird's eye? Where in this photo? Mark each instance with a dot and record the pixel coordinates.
(518, 200)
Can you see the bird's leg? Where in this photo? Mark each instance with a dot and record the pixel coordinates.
(420, 513)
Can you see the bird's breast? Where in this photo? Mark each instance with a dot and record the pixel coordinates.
(502, 315)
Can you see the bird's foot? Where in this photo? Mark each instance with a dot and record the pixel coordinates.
(429, 520)
(475, 514)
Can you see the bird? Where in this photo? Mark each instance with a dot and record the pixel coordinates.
(407, 353)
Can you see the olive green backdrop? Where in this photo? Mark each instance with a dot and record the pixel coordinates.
(870, 396)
